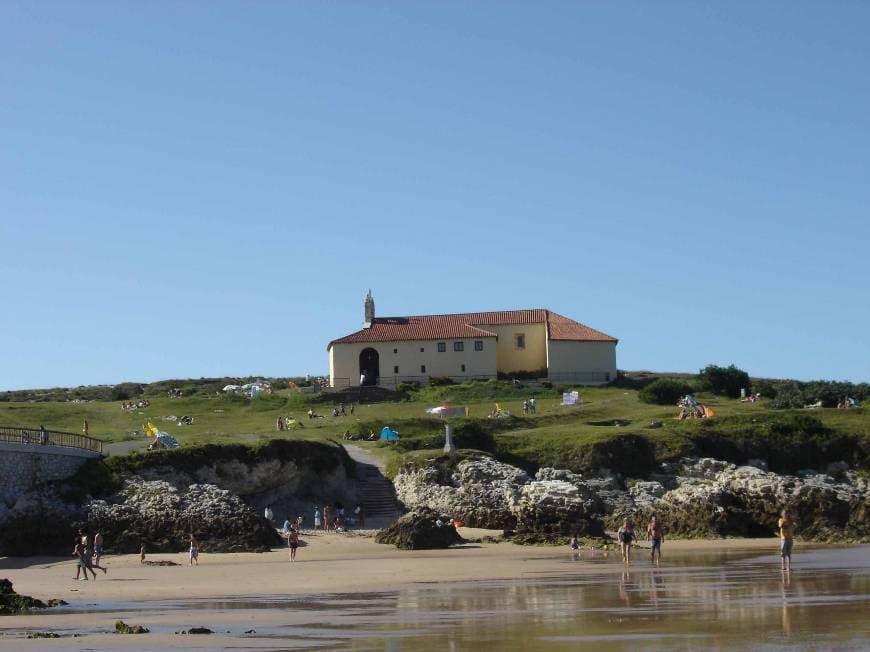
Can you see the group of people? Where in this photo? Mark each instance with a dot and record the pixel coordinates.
(530, 406)
(655, 534)
(627, 536)
(848, 402)
(88, 553)
(135, 405)
(752, 398)
(340, 411)
(349, 436)
(333, 518)
(691, 409)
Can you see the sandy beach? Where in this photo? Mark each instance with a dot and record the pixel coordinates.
(347, 592)
(328, 563)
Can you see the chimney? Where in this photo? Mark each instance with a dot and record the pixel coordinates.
(370, 311)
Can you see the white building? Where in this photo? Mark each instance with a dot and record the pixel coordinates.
(465, 346)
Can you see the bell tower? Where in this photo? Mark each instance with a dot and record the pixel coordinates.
(370, 310)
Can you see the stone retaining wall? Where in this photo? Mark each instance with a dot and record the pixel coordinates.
(25, 467)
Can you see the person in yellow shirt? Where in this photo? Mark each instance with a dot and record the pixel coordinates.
(786, 526)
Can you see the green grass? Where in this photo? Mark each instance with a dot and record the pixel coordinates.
(580, 438)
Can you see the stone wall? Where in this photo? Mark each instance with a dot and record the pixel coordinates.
(25, 467)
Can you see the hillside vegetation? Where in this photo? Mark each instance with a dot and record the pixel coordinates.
(612, 428)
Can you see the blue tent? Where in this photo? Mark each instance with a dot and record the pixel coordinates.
(388, 434)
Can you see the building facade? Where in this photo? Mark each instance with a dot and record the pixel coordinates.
(467, 346)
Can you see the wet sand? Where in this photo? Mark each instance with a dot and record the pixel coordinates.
(327, 563)
(346, 592)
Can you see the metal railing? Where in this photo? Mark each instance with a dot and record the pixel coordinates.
(42, 437)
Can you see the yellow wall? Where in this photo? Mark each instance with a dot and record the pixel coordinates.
(532, 358)
(344, 360)
(571, 357)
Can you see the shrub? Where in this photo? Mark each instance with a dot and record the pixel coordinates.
(406, 388)
(440, 381)
(724, 380)
(788, 397)
(664, 391)
(764, 387)
(523, 375)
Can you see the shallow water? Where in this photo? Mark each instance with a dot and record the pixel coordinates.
(700, 601)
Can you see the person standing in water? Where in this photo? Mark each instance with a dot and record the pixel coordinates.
(786, 527)
(626, 537)
(655, 534)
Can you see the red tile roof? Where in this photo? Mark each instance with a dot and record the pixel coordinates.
(470, 325)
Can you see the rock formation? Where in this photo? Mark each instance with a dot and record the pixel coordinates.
(692, 497)
(420, 530)
(162, 517)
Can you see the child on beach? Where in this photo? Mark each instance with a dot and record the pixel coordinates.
(786, 527)
(655, 534)
(194, 551)
(293, 542)
(626, 537)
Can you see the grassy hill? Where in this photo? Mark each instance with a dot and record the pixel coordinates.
(582, 438)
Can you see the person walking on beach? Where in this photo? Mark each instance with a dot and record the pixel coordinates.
(655, 534)
(80, 553)
(293, 542)
(317, 521)
(98, 547)
(90, 554)
(786, 526)
(194, 551)
(326, 522)
(626, 537)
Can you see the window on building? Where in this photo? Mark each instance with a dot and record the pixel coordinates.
(463, 368)
(458, 346)
(520, 340)
(422, 349)
(396, 369)
(395, 350)
(478, 345)
(422, 369)
(442, 347)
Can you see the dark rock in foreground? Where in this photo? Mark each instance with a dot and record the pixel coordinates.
(419, 531)
(12, 603)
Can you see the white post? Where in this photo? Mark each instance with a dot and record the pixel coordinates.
(448, 438)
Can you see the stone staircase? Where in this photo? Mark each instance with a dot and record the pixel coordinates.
(377, 495)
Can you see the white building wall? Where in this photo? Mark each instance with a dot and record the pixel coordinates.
(587, 362)
(409, 358)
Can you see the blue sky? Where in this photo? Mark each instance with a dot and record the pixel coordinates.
(198, 189)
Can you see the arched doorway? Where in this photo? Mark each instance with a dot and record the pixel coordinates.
(369, 367)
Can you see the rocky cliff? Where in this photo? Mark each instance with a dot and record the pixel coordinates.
(218, 492)
(693, 497)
